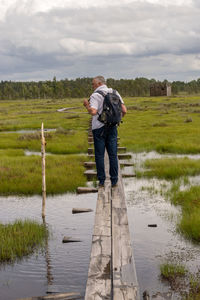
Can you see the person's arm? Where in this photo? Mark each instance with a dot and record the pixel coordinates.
(92, 111)
(124, 110)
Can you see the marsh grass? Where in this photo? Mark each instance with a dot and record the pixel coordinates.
(171, 168)
(11, 152)
(34, 136)
(194, 287)
(152, 123)
(70, 136)
(178, 170)
(186, 284)
(170, 271)
(159, 124)
(28, 114)
(20, 239)
(22, 175)
(66, 142)
(189, 200)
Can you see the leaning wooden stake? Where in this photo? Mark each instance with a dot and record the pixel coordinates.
(43, 171)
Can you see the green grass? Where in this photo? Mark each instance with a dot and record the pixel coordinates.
(171, 168)
(189, 200)
(194, 288)
(71, 134)
(152, 123)
(11, 152)
(22, 175)
(170, 271)
(185, 284)
(159, 124)
(28, 114)
(20, 238)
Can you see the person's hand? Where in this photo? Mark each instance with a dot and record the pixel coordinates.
(86, 103)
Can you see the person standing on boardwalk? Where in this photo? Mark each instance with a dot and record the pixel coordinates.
(105, 137)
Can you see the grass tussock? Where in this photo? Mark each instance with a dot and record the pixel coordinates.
(171, 168)
(23, 175)
(20, 239)
(189, 200)
(171, 271)
(187, 285)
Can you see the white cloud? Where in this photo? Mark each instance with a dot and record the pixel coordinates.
(131, 38)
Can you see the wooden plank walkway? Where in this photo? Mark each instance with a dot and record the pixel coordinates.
(111, 272)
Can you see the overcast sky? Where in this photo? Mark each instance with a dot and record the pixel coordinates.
(40, 39)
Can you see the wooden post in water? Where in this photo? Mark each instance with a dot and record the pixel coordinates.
(43, 171)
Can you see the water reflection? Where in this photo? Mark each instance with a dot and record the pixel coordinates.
(60, 267)
(47, 256)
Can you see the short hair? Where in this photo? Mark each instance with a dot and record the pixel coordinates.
(100, 79)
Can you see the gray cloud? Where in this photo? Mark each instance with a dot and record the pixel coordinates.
(136, 39)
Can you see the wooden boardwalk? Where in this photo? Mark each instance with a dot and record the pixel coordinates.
(111, 272)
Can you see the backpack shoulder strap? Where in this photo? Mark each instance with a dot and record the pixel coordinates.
(101, 93)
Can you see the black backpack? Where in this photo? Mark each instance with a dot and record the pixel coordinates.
(112, 111)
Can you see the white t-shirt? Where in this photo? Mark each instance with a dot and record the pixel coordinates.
(96, 101)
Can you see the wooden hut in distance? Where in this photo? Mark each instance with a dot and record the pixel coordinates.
(160, 89)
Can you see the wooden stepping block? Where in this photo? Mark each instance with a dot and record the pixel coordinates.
(81, 210)
(121, 149)
(128, 175)
(126, 164)
(90, 164)
(69, 239)
(86, 190)
(92, 144)
(91, 174)
(120, 156)
(90, 150)
(124, 156)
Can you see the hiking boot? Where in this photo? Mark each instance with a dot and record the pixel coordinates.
(114, 185)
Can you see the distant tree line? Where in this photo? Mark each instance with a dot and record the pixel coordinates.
(81, 87)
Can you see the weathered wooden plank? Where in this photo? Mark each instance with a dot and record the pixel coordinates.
(111, 232)
(99, 273)
(125, 286)
(102, 225)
